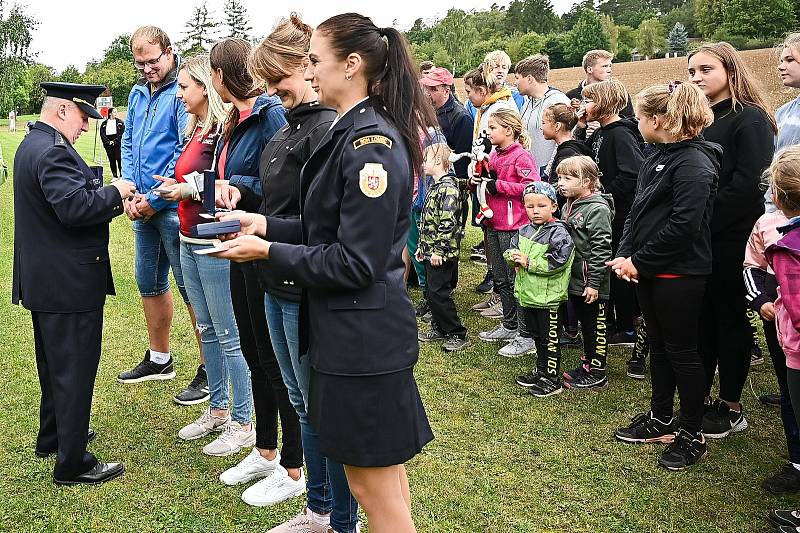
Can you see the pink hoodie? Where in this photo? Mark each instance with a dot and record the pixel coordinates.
(515, 168)
(784, 256)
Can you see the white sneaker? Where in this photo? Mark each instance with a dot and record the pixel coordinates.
(498, 334)
(301, 523)
(232, 440)
(518, 347)
(204, 425)
(252, 467)
(277, 487)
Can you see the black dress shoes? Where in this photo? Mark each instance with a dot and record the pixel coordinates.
(101, 473)
(41, 455)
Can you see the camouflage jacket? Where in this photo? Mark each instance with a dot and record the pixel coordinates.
(440, 224)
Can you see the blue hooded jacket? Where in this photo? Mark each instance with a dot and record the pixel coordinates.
(247, 141)
(154, 136)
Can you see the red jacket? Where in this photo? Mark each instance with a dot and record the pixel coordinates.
(515, 168)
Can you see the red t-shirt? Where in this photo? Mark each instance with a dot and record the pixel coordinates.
(223, 157)
(197, 156)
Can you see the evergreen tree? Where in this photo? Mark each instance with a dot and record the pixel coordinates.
(236, 19)
(570, 18)
(651, 37)
(587, 34)
(524, 16)
(200, 30)
(678, 39)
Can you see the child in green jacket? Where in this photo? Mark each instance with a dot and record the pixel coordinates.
(542, 253)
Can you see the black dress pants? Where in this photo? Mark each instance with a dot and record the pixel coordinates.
(114, 159)
(440, 297)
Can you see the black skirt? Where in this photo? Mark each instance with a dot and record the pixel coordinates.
(368, 421)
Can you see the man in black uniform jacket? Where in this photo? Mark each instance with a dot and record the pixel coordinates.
(62, 273)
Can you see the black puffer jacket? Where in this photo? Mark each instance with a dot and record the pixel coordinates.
(668, 228)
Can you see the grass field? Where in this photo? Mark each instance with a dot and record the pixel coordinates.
(502, 461)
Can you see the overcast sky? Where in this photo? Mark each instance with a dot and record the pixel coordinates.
(73, 32)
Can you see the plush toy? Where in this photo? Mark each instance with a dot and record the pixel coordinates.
(479, 169)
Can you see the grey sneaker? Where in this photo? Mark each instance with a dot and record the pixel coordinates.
(430, 336)
(495, 311)
(455, 343)
(204, 425)
(233, 439)
(493, 299)
(518, 347)
(301, 523)
(498, 334)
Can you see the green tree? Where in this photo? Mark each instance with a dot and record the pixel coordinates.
(587, 34)
(685, 14)
(490, 23)
(482, 47)
(236, 20)
(678, 39)
(531, 15)
(759, 19)
(456, 33)
(118, 75)
(200, 30)
(570, 18)
(626, 43)
(70, 74)
(651, 37)
(419, 33)
(38, 73)
(16, 33)
(555, 46)
(629, 12)
(522, 46)
(119, 50)
(612, 31)
(709, 15)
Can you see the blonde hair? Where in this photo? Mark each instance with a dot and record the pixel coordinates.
(609, 97)
(784, 176)
(792, 42)
(582, 167)
(683, 107)
(537, 66)
(508, 118)
(281, 53)
(150, 35)
(439, 150)
(562, 114)
(742, 83)
(593, 56)
(496, 58)
(199, 69)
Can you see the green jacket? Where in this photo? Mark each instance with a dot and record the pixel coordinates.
(550, 253)
(440, 228)
(589, 221)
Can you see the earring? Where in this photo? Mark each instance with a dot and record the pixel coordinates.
(348, 77)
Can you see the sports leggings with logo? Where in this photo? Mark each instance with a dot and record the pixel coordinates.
(545, 325)
(593, 318)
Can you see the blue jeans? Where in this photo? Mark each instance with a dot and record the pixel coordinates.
(328, 491)
(157, 247)
(209, 288)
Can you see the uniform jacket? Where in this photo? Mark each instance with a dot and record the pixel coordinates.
(515, 168)
(589, 221)
(668, 228)
(154, 136)
(759, 278)
(784, 256)
(61, 216)
(440, 230)
(355, 202)
(550, 252)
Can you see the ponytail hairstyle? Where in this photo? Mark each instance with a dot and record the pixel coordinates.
(477, 78)
(199, 70)
(230, 55)
(582, 167)
(609, 97)
(682, 106)
(784, 176)
(508, 118)
(744, 86)
(562, 114)
(391, 74)
(281, 53)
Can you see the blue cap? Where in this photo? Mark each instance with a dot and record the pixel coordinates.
(540, 187)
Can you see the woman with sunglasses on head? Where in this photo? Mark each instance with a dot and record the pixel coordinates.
(356, 196)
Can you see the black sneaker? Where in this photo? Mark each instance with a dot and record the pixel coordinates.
(645, 428)
(780, 518)
(756, 356)
(622, 338)
(568, 339)
(430, 336)
(478, 253)
(578, 371)
(721, 421)
(147, 370)
(530, 379)
(454, 343)
(196, 391)
(770, 399)
(684, 451)
(487, 285)
(546, 386)
(422, 307)
(594, 378)
(785, 481)
(636, 368)
(787, 529)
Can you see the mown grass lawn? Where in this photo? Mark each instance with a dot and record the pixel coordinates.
(502, 461)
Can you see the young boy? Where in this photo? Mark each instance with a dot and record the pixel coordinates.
(440, 233)
(542, 253)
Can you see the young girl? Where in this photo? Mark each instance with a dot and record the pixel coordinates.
(616, 146)
(496, 65)
(588, 214)
(666, 250)
(784, 258)
(558, 121)
(745, 130)
(514, 168)
(542, 253)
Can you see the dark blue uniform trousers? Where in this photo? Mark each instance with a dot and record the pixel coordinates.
(67, 356)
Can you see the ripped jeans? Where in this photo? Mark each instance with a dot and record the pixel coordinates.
(207, 281)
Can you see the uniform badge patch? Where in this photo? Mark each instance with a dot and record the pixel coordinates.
(372, 139)
(373, 180)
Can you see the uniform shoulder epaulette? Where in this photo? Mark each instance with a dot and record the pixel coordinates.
(58, 138)
(365, 118)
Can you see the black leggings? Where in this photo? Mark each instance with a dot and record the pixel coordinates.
(671, 309)
(622, 297)
(793, 386)
(270, 396)
(790, 425)
(545, 325)
(594, 329)
(114, 159)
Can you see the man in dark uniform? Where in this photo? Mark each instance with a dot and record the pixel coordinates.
(62, 273)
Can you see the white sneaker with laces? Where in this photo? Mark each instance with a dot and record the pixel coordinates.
(277, 487)
(234, 437)
(518, 347)
(498, 334)
(205, 424)
(254, 466)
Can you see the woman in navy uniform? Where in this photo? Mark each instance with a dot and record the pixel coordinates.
(62, 273)
(355, 201)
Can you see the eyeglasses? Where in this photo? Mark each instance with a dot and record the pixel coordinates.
(149, 62)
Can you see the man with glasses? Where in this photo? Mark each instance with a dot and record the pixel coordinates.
(151, 144)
